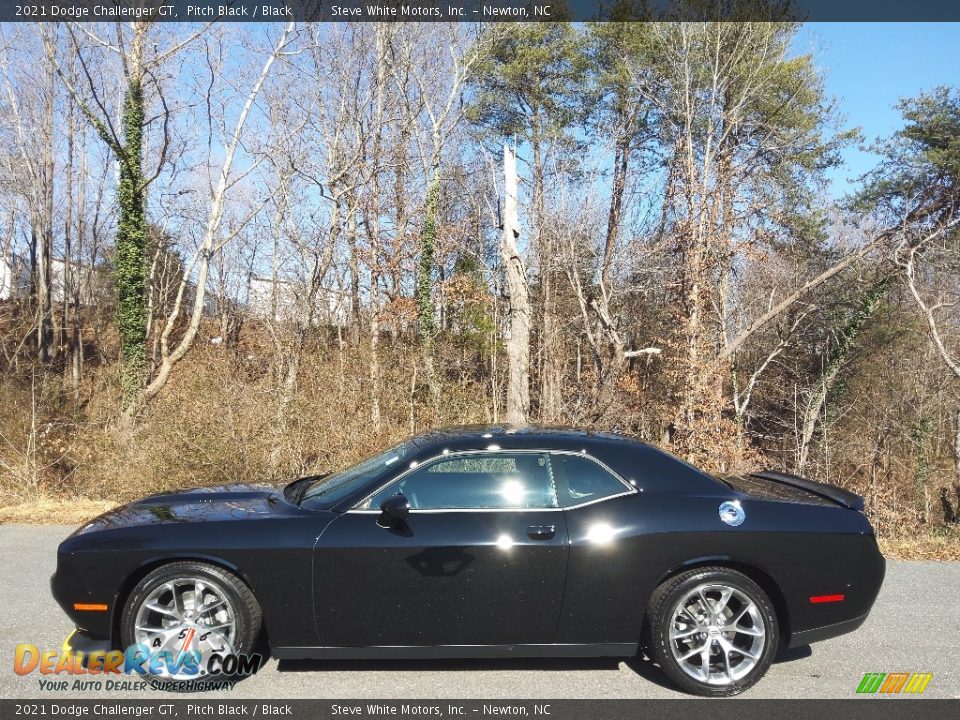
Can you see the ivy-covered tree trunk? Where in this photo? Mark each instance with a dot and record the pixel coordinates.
(426, 325)
(130, 266)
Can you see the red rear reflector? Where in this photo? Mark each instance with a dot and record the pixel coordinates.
(826, 598)
(92, 607)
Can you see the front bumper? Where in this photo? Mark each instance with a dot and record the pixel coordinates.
(68, 586)
(83, 643)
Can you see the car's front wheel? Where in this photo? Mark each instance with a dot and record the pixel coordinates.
(712, 630)
(184, 613)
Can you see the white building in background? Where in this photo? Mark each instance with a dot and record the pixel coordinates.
(14, 277)
(15, 280)
(286, 300)
(82, 277)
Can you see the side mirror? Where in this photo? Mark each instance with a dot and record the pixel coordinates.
(394, 511)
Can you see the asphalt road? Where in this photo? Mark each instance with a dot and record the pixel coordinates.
(914, 627)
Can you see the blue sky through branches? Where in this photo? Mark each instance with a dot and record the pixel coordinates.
(870, 66)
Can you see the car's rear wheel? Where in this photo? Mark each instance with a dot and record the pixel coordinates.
(183, 614)
(713, 631)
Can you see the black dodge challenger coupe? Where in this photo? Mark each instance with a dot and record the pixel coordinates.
(487, 542)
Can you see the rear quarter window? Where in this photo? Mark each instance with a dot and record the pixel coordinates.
(581, 480)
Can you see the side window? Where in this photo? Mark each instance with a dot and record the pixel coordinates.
(506, 481)
(581, 480)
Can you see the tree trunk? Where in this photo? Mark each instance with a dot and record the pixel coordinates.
(428, 238)
(609, 360)
(76, 332)
(620, 165)
(354, 273)
(548, 351)
(130, 264)
(956, 444)
(44, 229)
(845, 341)
(518, 344)
(67, 280)
(373, 228)
(426, 326)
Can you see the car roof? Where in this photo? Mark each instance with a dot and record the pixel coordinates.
(653, 468)
(516, 436)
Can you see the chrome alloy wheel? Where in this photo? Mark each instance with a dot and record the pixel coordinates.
(717, 634)
(186, 615)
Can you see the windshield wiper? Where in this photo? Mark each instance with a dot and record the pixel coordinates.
(303, 485)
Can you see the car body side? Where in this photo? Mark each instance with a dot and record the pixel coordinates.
(671, 523)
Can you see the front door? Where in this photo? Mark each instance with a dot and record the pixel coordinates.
(479, 561)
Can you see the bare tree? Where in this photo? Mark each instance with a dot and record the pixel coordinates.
(213, 237)
(30, 105)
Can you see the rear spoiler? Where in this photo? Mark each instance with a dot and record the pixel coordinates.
(831, 492)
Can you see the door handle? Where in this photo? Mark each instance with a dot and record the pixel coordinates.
(541, 532)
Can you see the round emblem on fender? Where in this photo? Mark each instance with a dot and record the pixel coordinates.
(731, 513)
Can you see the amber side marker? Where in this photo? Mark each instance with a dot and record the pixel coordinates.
(826, 599)
(91, 607)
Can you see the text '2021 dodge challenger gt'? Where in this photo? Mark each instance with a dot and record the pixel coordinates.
(486, 542)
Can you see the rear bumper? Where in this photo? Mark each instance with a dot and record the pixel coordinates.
(846, 567)
(805, 637)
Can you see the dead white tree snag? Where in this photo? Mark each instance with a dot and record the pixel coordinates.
(518, 344)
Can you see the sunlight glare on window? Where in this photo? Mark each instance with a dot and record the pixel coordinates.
(512, 491)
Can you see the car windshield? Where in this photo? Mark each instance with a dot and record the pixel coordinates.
(331, 489)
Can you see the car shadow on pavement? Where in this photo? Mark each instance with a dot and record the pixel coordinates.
(641, 665)
(453, 664)
(789, 655)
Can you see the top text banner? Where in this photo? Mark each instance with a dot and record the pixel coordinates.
(475, 10)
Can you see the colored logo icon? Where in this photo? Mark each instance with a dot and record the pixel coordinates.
(894, 683)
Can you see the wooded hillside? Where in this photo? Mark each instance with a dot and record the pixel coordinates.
(237, 253)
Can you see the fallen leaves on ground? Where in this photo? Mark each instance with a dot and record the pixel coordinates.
(54, 511)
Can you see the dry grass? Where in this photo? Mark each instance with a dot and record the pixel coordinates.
(53, 511)
(223, 418)
(934, 545)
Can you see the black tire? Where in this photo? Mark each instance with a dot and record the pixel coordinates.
(665, 604)
(246, 609)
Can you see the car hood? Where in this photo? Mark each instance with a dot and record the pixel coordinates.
(206, 504)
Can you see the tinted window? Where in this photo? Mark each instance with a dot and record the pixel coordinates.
(580, 480)
(486, 481)
(329, 490)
